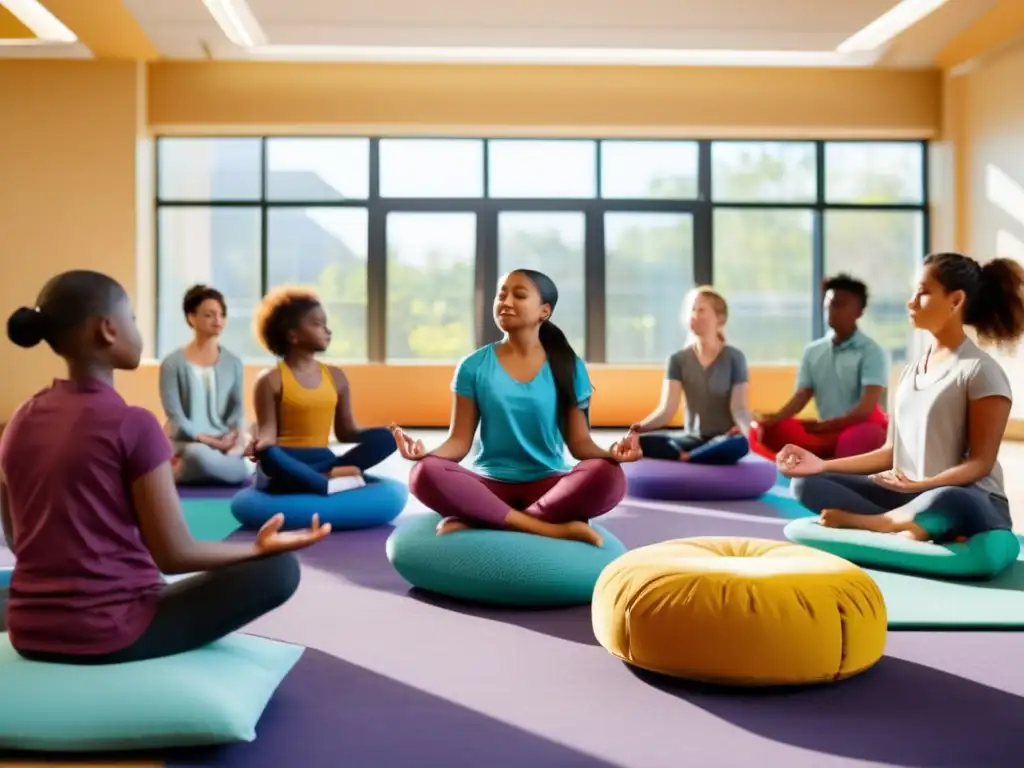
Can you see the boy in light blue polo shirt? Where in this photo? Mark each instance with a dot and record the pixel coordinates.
(846, 373)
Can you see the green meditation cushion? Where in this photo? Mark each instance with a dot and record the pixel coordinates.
(983, 556)
(212, 695)
(499, 567)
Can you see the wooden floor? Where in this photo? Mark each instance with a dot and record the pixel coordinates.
(1011, 457)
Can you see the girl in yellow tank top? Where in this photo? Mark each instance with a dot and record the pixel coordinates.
(299, 402)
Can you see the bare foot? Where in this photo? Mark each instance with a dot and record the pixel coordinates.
(579, 531)
(914, 533)
(840, 518)
(450, 525)
(684, 456)
(176, 464)
(345, 472)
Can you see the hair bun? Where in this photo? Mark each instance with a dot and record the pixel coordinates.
(26, 327)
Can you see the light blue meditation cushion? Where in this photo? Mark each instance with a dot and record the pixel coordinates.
(982, 556)
(213, 695)
(5, 576)
(379, 502)
(501, 567)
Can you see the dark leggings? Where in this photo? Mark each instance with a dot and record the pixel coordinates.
(304, 470)
(199, 609)
(945, 512)
(669, 443)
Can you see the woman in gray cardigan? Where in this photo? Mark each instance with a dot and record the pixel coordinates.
(201, 386)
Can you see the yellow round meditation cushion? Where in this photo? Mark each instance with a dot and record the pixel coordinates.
(740, 612)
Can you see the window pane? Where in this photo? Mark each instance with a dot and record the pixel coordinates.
(318, 169)
(216, 246)
(885, 250)
(552, 243)
(649, 270)
(324, 249)
(542, 169)
(431, 168)
(430, 285)
(209, 169)
(763, 172)
(763, 267)
(649, 170)
(874, 172)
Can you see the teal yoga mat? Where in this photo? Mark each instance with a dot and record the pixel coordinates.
(209, 519)
(922, 602)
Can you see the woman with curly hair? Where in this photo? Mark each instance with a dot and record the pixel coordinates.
(299, 400)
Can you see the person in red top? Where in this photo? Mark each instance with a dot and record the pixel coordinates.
(90, 510)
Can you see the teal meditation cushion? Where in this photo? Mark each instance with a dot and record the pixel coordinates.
(213, 695)
(500, 567)
(983, 556)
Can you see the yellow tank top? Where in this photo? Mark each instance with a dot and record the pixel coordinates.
(305, 416)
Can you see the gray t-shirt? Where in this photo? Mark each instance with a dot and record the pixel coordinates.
(929, 423)
(708, 391)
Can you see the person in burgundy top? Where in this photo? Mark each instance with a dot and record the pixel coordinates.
(90, 510)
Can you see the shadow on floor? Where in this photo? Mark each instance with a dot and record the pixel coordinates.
(897, 713)
(570, 624)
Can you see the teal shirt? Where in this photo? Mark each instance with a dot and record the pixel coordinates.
(838, 373)
(519, 435)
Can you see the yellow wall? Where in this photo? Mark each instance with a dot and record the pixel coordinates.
(67, 190)
(991, 193)
(73, 166)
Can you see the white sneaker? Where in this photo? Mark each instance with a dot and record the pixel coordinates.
(339, 484)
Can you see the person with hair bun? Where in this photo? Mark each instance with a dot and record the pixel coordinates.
(91, 512)
(530, 395)
(710, 378)
(201, 390)
(938, 476)
(301, 400)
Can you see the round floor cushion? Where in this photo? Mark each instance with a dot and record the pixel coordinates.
(379, 502)
(667, 480)
(500, 567)
(735, 611)
(982, 556)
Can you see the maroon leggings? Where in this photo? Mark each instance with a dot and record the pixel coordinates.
(590, 489)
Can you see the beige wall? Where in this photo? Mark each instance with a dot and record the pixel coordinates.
(74, 168)
(67, 190)
(992, 170)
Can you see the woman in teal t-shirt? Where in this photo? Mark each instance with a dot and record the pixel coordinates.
(530, 394)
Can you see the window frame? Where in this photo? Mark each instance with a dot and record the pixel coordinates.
(701, 208)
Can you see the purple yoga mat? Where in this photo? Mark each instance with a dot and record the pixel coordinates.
(393, 678)
(685, 481)
(210, 491)
(465, 685)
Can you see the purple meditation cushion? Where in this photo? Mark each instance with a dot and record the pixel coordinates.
(668, 480)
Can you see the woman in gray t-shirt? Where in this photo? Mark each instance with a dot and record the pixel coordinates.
(712, 377)
(937, 477)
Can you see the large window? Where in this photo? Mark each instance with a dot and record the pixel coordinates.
(406, 238)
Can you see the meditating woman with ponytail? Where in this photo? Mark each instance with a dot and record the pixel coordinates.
(937, 476)
(710, 377)
(530, 395)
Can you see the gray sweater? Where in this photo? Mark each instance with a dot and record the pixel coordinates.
(176, 392)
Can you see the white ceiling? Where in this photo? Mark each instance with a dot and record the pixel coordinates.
(184, 29)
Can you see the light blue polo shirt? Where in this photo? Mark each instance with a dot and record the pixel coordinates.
(519, 435)
(838, 373)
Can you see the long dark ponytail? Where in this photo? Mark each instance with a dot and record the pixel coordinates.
(994, 303)
(561, 355)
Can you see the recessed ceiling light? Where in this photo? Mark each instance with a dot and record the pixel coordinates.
(900, 17)
(47, 28)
